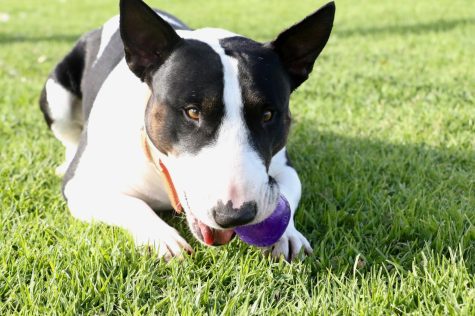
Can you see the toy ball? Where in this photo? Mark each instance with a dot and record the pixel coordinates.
(267, 232)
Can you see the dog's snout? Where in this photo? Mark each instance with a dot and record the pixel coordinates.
(226, 216)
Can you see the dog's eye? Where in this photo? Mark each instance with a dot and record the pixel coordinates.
(267, 116)
(193, 113)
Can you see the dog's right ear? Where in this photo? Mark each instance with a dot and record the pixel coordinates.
(148, 39)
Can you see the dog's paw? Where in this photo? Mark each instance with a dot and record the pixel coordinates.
(290, 245)
(167, 242)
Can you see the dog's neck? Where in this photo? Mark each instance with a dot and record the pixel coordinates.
(148, 149)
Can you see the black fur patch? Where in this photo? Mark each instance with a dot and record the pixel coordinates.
(191, 76)
(69, 71)
(265, 86)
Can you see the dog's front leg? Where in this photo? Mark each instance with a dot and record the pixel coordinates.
(292, 241)
(132, 214)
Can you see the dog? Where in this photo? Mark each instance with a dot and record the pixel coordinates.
(154, 116)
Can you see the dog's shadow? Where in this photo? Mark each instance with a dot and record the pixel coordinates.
(382, 202)
(378, 201)
(440, 25)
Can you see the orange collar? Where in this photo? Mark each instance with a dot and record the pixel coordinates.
(162, 170)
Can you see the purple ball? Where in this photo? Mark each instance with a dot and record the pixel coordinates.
(267, 232)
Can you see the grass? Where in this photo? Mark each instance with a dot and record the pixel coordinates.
(384, 140)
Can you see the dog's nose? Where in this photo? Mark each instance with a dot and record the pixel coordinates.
(226, 216)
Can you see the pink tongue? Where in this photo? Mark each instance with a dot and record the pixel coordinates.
(223, 236)
(213, 236)
(207, 233)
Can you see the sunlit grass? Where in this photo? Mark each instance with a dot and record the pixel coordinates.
(383, 138)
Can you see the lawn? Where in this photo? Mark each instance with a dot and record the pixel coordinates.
(383, 138)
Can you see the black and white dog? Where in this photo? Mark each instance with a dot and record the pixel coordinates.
(155, 115)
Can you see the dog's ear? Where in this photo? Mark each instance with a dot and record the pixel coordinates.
(299, 46)
(148, 39)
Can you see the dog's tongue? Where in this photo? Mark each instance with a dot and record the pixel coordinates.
(213, 236)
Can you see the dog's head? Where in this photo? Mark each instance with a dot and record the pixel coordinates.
(219, 110)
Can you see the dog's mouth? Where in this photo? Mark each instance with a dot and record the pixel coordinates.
(209, 236)
(206, 234)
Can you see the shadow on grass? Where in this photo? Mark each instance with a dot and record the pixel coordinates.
(20, 38)
(422, 28)
(384, 202)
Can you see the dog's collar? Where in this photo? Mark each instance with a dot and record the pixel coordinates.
(149, 149)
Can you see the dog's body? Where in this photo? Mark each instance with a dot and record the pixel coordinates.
(207, 107)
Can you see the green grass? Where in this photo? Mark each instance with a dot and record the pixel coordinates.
(384, 140)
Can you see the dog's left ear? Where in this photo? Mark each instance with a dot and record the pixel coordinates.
(148, 39)
(299, 46)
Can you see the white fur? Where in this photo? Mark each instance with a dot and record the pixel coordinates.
(287, 177)
(113, 159)
(59, 101)
(114, 182)
(130, 213)
(208, 35)
(291, 188)
(65, 111)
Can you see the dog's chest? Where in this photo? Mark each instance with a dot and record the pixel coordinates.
(150, 188)
(114, 159)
